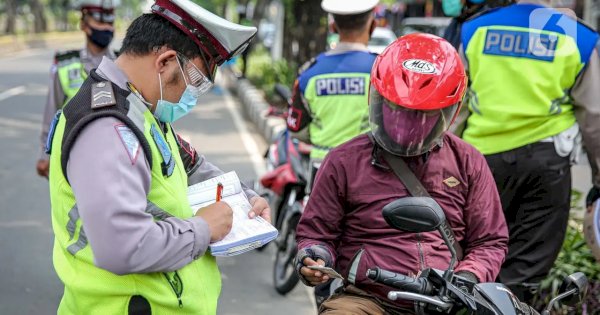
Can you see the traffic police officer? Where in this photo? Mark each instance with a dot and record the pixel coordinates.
(126, 239)
(71, 67)
(330, 95)
(534, 74)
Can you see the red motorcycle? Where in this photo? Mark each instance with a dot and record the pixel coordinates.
(284, 187)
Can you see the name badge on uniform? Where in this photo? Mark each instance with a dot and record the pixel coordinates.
(103, 95)
(340, 86)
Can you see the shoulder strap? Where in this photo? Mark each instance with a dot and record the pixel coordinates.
(412, 184)
(405, 174)
(66, 55)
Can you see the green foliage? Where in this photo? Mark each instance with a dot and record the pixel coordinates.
(263, 72)
(573, 257)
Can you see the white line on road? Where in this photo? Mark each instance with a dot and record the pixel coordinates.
(247, 139)
(19, 124)
(12, 92)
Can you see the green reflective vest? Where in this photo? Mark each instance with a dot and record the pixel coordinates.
(521, 69)
(71, 75)
(336, 88)
(193, 289)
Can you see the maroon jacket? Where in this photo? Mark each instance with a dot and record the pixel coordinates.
(344, 212)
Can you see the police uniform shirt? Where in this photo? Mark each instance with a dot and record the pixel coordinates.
(56, 95)
(121, 183)
(585, 95)
(301, 126)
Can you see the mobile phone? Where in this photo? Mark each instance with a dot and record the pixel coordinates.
(326, 270)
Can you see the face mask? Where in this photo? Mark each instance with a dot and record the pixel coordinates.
(452, 8)
(169, 112)
(101, 38)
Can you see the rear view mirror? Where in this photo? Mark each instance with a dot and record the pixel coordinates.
(576, 281)
(414, 214)
(572, 291)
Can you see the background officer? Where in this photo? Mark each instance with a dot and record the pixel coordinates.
(126, 239)
(534, 75)
(330, 95)
(71, 68)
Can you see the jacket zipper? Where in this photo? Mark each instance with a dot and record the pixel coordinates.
(421, 255)
(174, 285)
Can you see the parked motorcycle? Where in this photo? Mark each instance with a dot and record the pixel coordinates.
(284, 187)
(444, 292)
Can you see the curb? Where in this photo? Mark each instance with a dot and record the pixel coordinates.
(254, 106)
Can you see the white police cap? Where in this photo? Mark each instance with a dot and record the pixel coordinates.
(348, 7)
(218, 39)
(96, 4)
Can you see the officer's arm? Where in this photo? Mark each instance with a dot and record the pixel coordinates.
(54, 101)
(199, 169)
(586, 99)
(299, 116)
(111, 180)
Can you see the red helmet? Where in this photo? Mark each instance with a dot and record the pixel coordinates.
(417, 87)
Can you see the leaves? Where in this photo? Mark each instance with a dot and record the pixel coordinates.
(574, 256)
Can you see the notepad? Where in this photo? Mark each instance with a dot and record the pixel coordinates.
(246, 234)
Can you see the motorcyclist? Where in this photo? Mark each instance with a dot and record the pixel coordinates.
(417, 86)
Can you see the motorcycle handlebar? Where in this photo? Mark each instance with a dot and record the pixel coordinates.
(400, 281)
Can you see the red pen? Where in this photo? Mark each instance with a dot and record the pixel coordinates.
(219, 192)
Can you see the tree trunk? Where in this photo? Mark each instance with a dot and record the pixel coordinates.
(311, 30)
(39, 17)
(11, 17)
(259, 11)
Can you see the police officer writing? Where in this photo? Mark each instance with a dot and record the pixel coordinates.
(330, 95)
(534, 76)
(126, 239)
(71, 67)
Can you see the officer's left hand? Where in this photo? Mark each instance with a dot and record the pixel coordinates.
(260, 207)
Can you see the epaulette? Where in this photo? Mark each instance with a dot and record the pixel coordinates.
(307, 65)
(103, 95)
(66, 55)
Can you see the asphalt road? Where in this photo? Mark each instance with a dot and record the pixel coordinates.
(28, 283)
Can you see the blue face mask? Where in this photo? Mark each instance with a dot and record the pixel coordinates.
(169, 112)
(452, 8)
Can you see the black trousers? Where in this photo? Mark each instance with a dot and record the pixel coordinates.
(535, 189)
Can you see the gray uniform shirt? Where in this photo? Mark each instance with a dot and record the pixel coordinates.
(56, 95)
(111, 188)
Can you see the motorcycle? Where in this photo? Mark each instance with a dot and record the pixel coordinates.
(444, 292)
(284, 187)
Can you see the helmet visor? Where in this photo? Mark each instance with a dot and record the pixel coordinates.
(407, 132)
